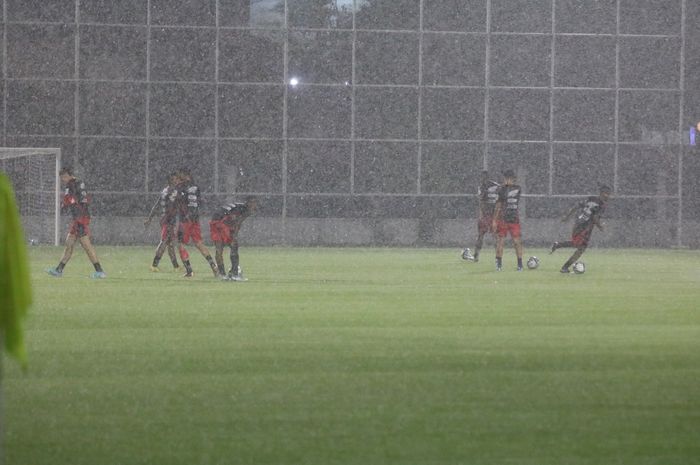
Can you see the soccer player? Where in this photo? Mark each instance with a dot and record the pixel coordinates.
(588, 213)
(168, 223)
(76, 202)
(224, 227)
(189, 199)
(488, 196)
(506, 219)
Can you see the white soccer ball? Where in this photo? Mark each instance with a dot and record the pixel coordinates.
(579, 268)
(533, 263)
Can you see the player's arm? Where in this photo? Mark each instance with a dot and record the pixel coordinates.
(570, 212)
(497, 213)
(152, 213)
(597, 222)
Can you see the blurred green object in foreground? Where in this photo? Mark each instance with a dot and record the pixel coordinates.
(15, 290)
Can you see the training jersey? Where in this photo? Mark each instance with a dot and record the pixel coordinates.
(488, 196)
(189, 199)
(232, 214)
(75, 199)
(589, 211)
(168, 205)
(509, 196)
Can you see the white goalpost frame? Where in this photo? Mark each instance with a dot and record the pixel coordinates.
(7, 153)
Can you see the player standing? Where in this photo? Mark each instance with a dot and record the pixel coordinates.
(168, 223)
(488, 196)
(588, 215)
(506, 218)
(224, 227)
(76, 201)
(189, 199)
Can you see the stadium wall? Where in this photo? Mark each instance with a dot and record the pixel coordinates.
(363, 122)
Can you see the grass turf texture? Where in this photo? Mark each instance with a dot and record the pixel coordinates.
(361, 356)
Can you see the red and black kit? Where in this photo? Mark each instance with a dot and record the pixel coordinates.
(587, 216)
(189, 199)
(76, 201)
(509, 221)
(168, 208)
(226, 222)
(488, 196)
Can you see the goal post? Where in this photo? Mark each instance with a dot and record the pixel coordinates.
(33, 172)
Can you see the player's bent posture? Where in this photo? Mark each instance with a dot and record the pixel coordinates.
(189, 199)
(588, 213)
(506, 219)
(168, 223)
(76, 202)
(488, 196)
(224, 227)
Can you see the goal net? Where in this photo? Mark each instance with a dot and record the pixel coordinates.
(34, 176)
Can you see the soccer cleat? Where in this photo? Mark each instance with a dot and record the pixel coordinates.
(520, 268)
(564, 270)
(555, 246)
(467, 255)
(498, 268)
(237, 277)
(189, 274)
(54, 272)
(99, 275)
(155, 269)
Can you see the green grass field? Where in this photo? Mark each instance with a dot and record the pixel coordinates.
(361, 356)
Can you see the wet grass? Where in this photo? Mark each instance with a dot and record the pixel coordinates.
(361, 356)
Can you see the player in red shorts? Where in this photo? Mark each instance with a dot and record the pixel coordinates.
(506, 219)
(224, 227)
(488, 196)
(168, 223)
(588, 215)
(76, 201)
(189, 199)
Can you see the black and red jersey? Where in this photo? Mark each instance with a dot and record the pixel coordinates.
(488, 196)
(509, 197)
(232, 215)
(76, 199)
(189, 200)
(589, 212)
(168, 205)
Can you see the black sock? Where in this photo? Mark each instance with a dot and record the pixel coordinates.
(188, 267)
(476, 253)
(60, 266)
(499, 261)
(520, 262)
(222, 269)
(97, 266)
(156, 260)
(173, 259)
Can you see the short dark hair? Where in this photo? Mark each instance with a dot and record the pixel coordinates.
(65, 170)
(605, 189)
(509, 174)
(251, 198)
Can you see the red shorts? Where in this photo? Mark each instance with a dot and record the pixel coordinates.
(220, 232)
(485, 225)
(80, 226)
(190, 231)
(504, 228)
(167, 232)
(581, 238)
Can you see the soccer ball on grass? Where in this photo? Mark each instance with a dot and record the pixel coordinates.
(533, 263)
(579, 268)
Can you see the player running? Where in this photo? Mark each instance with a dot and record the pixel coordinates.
(588, 215)
(76, 202)
(506, 218)
(168, 223)
(224, 227)
(488, 196)
(189, 199)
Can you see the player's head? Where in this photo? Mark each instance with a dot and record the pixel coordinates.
(66, 174)
(184, 174)
(509, 176)
(252, 202)
(605, 192)
(173, 179)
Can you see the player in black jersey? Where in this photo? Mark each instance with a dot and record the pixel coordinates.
(506, 218)
(588, 213)
(224, 227)
(76, 202)
(168, 223)
(189, 200)
(488, 196)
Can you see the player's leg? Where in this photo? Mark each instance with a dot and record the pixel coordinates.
(171, 239)
(560, 245)
(517, 243)
(67, 254)
(184, 238)
(92, 256)
(500, 239)
(207, 256)
(573, 259)
(219, 256)
(162, 245)
(235, 261)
